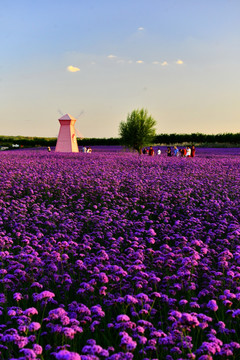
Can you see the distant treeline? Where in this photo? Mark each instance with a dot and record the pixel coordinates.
(161, 139)
(172, 139)
(198, 138)
(26, 141)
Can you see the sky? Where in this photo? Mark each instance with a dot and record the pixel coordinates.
(98, 60)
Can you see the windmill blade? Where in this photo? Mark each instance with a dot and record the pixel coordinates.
(79, 135)
(80, 114)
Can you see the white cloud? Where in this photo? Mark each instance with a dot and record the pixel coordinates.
(164, 63)
(155, 62)
(179, 62)
(111, 56)
(71, 68)
(139, 62)
(140, 28)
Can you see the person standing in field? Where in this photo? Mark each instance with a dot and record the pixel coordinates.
(151, 151)
(193, 150)
(184, 152)
(169, 151)
(188, 154)
(176, 151)
(159, 151)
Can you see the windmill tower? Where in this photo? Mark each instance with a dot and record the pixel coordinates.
(67, 141)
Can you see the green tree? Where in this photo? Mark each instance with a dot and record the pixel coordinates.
(138, 130)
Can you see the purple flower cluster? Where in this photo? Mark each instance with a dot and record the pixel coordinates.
(117, 256)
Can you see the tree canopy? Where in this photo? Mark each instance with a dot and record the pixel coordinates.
(138, 130)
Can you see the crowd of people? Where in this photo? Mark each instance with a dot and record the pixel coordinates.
(188, 151)
(182, 152)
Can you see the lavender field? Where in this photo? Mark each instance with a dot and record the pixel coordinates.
(118, 256)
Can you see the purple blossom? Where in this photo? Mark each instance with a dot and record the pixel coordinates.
(103, 278)
(236, 313)
(212, 304)
(29, 354)
(123, 317)
(183, 302)
(11, 312)
(43, 295)
(69, 332)
(37, 349)
(30, 311)
(67, 355)
(17, 296)
(127, 341)
(34, 326)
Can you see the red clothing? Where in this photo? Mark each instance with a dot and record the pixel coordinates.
(151, 152)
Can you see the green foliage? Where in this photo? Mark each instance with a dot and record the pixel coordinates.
(138, 131)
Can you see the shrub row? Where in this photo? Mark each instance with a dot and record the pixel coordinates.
(196, 138)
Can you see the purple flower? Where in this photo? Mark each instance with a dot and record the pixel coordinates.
(121, 356)
(34, 326)
(43, 295)
(67, 355)
(17, 296)
(36, 284)
(28, 354)
(57, 313)
(97, 311)
(30, 311)
(236, 313)
(69, 332)
(142, 339)
(103, 278)
(102, 290)
(11, 312)
(212, 304)
(183, 302)
(37, 349)
(92, 349)
(127, 341)
(151, 232)
(123, 317)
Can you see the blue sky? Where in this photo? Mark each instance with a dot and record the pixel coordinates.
(99, 59)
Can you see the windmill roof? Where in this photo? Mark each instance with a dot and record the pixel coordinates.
(67, 117)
